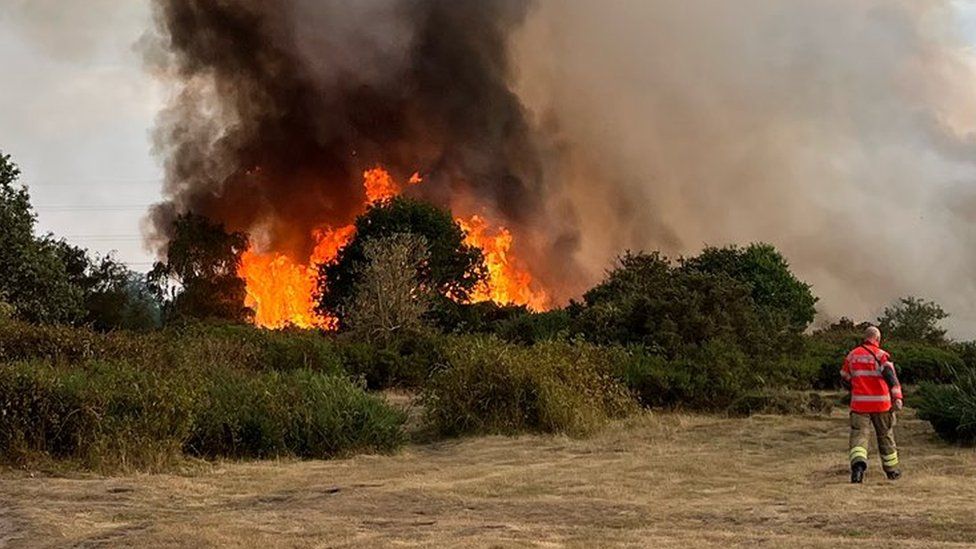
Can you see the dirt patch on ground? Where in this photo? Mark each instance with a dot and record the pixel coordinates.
(661, 480)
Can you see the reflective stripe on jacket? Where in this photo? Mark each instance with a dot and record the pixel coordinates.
(872, 376)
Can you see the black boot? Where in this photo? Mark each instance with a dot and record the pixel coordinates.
(857, 472)
(893, 475)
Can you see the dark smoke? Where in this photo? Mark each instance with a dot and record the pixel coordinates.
(842, 132)
(283, 104)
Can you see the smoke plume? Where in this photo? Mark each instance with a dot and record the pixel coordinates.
(282, 105)
(839, 131)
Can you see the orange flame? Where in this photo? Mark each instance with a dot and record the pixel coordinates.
(380, 185)
(508, 283)
(281, 291)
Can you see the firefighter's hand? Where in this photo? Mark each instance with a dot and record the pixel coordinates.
(899, 405)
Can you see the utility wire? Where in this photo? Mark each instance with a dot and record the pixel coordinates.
(92, 208)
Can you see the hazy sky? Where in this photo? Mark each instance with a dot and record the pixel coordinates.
(77, 108)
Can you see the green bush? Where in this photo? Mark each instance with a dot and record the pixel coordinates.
(406, 362)
(822, 357)
(711, 378)
(488, 386)
(918, 362)
(298, 413)
(951, 409)
(197, 346)
(102, 415)
(530, 328)
(257, 349)
(114, 415)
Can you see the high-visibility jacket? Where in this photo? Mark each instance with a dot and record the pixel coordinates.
(874, 384)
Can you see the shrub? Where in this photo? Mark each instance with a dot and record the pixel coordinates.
(257, 349)
(530, 328)
(647, 300)
(822, 358)
(7, 311)
(198, 346)
(967, 353)
(406, 362)
(916, 362)
(951, 409)
(483, 317)
(298, 413)
(488, 386)
(112, 415)
(710, 379)
(103, 415)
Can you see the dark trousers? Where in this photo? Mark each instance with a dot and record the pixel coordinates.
(884, 429)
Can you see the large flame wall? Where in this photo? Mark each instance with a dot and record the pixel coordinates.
(281, 291)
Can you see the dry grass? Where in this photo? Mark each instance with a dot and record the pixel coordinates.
(661, 480)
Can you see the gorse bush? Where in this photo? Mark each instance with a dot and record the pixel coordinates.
(402, 363)
(532, 328)
(488, 386)
(951, 409)
(672, 309)
(104, 415)
(298, 413)
(197, 346)
(710, 379)
(919, 362)
(109, 415)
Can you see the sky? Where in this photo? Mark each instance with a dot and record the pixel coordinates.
(76, 111)
(77, 107)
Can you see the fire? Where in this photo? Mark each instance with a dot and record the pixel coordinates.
(508, 282)
(380, 185)
(281, 291)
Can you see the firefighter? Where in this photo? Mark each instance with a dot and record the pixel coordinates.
(875, 397)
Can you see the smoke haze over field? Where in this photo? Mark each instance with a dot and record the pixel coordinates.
(839, 131)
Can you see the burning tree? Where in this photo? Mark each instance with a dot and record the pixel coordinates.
(453, 268)
(280, 287)
(263, 135)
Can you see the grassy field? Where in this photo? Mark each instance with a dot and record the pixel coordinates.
(660, 480)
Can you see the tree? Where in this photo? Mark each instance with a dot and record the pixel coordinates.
(390, 298)
(33, 277)
(118, 298)
(914, 319)
(646, 300)
(200, 275)
(452, 269)
(778, 293)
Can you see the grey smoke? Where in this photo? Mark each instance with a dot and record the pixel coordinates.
(839, 131)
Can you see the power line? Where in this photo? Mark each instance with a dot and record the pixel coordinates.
(77, 182)
(104, 236)
(92, 208)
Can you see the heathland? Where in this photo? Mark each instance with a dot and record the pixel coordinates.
(656, 480)
(679, 401)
